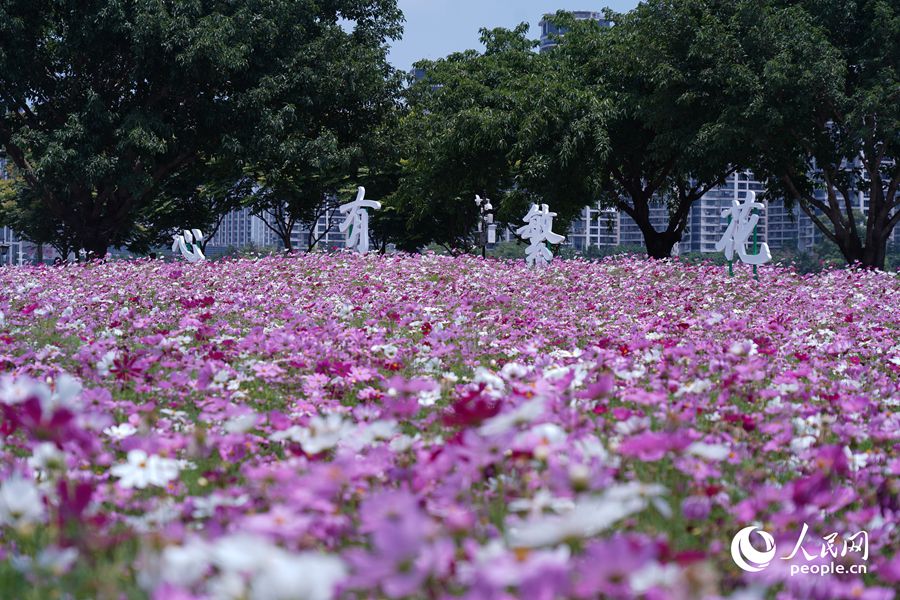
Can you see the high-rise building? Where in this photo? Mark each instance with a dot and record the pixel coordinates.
(550, 31)
(778, 226)
(240, 229)
(594, 227)
(12, 248)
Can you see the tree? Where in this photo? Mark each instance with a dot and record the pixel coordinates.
(21, 211)
(827, 124)
(285, 203)
(302, 153)
(101, 103)
(457, 139)
(674, 92)
(182, 203)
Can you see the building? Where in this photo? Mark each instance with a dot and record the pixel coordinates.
(550, 31)
(12, 249)
(780, 227)
(595, 227)
(241, 229)
(327, 232)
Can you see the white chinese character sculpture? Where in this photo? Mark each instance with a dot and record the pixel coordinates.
(539, 223)
(188, 244)
(739, 230)
(357, 221)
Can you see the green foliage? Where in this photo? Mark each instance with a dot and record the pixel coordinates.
(673, 94)
(515, 250)
(825, 84)
(22, 211)
(458, 139)
(101, 104)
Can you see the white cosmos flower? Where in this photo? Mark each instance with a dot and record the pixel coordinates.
(591, 447)
(369, 433)
(505, 421)
(47, 457)
(651, 493)
(15, 390)
(20, 502)
(429, 397)
(185, 565)
(708, 451)
(241, 553)
(633, 424)
(251, 567)
(323, 433)
(502, 568)
(493, 384)
(541, 502)
(402, 443)
(54, 559)
(57, 560)
(205, 506)
(627, 375)
(588, 517)
(66, 393)
(227, 586)
(105, 363)
(856, 461)
(513, 370)
(801, 443)
(654, 575)
(546, 434)
(306, 576)
(241, 423)
(389, 350)
(699, 386)
(142, 470)
(120, 432)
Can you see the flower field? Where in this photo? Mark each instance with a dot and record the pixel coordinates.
(432, 427)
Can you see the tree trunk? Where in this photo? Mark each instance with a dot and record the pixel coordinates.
(872, 255)
(288, 244)
(659, 244)
(875, 256)
(96, 248)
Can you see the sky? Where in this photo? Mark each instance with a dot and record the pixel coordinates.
(435, 28)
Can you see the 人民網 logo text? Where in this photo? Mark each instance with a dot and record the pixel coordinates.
(824, 560)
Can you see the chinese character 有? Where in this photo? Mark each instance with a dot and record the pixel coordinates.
(357, 221)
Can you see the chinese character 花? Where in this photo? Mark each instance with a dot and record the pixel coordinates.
(739, 230)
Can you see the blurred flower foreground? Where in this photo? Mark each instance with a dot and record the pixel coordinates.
(337, 426)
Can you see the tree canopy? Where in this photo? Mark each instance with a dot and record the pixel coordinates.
(102, 102)
(826, 134)
(125, 121)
